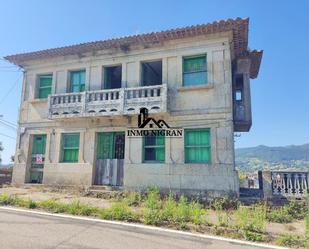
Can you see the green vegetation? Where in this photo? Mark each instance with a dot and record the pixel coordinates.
(233, 219)
(264, 157)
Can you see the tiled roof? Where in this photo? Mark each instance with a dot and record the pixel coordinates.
(238, 26)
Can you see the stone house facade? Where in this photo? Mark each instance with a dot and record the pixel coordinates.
(81, 103)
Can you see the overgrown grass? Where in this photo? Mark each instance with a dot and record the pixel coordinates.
(292, 240)
(252, 218)
(150, 208)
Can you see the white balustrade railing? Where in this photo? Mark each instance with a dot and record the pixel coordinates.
(290, 183)
(108, 102)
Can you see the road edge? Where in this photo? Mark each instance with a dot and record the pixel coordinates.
(141, 226)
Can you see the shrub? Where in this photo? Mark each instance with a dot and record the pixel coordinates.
(152, 208)
(133, 199)
(298, 210)
(307, 224)
(197, 213)
(253, 236)
(252, 218)
(224, 204)
(53, 206)
(279, 215)
(290, 240)
(118, 211)
(169, 207)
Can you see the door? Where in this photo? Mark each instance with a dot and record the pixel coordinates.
(110, 158)
(37, 158)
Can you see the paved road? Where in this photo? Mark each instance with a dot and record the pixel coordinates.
(27, 230)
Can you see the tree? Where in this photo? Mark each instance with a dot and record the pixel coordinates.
(1, 149)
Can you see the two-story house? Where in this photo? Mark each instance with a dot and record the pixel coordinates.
(81, 105)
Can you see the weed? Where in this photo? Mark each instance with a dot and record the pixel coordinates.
(307, 224)
(152, 208)
(118, 211)
(253, 236)
(290, 240)
(252, 218)
(279, 215)
(133, 199)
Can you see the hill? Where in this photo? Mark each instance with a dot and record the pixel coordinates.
(292, 157)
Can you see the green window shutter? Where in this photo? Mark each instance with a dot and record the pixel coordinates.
(195, 70)
(45, 86)
(197, 146)
(77, 81)
(154, 149)
(70, 147)
(39, 144)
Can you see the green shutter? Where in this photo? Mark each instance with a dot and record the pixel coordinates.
(154, 149)
(45, 86)
(195, 70)
(70, 147)
(39, 144)
(77, 81)
(197, 146)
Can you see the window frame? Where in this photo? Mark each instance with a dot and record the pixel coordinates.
(199, 71)
(208, 147)
(39, 87)
(62, 149)
(142, 71)
(155, 147)
(104, 81)
(70, 88)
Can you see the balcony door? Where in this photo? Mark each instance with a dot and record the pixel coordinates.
(109, 158)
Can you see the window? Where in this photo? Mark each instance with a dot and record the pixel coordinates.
(152, 73)
(195, 70)
(45, 86)
(112, 77)
(110, 145)
(69, 147)
(238, 95)
(77, 81)
(154, 149)
(239, 86)
(197, 146)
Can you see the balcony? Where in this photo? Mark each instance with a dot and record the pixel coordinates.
(122, 101)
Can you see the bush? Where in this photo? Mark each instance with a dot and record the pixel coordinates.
(197, 213)
(307, 224)
(279, 215)
(133, 199)
(290, 240)
(224, 204)
(298, 210)
(169, 207)
(118, 211)
(152, 215)
(251, 218)
(253, 236)
(53, 206)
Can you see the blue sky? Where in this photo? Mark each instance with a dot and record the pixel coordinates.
(280, 95)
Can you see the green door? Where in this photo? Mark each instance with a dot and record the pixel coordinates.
(37, 158)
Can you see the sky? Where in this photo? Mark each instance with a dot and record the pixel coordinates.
(280, 94)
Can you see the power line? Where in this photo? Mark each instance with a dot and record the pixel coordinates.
(7, 125)
(8, 122)
(1, 134)
(10, 90)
